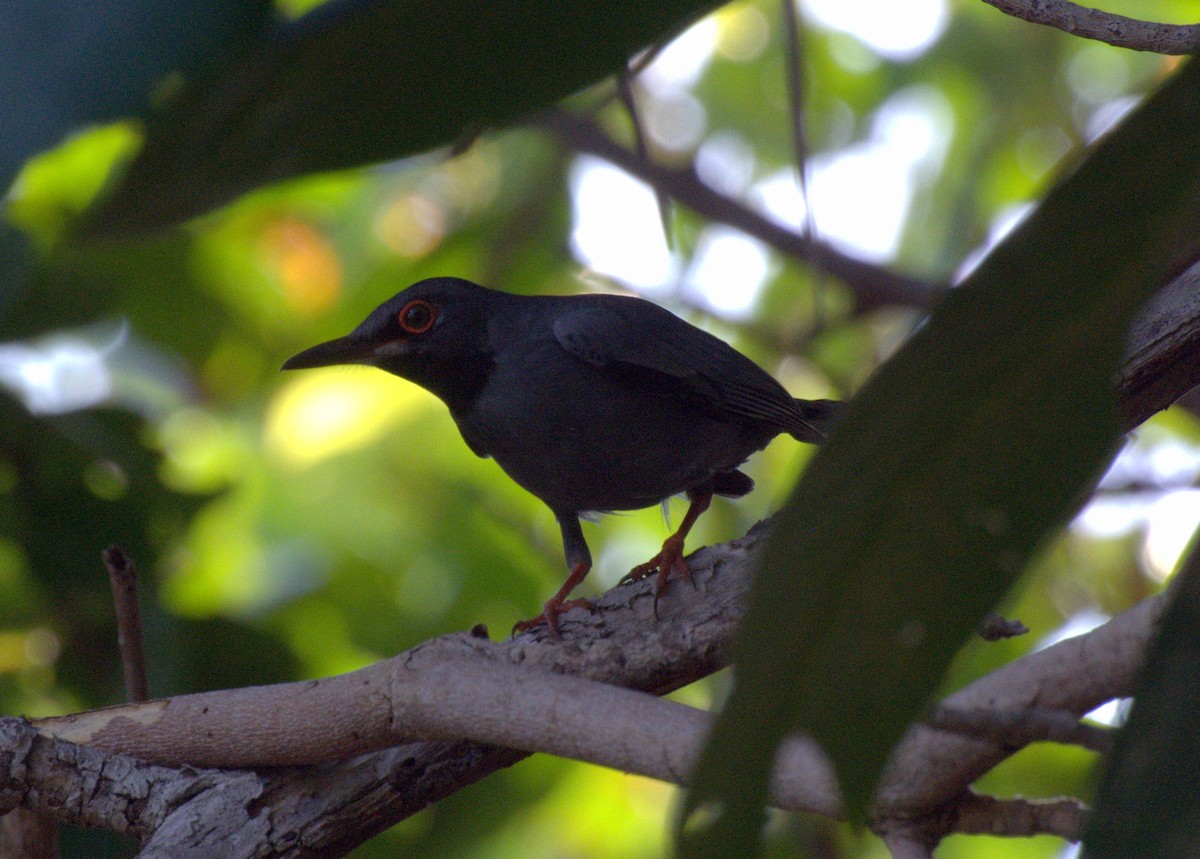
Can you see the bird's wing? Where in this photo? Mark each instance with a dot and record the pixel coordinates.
(655, 348)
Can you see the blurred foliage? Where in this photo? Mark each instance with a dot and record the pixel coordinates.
(295, 526)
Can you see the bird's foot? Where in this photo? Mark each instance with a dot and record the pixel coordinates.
(668, 560)
(549, 616)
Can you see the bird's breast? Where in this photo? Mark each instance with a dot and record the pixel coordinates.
(580, 438)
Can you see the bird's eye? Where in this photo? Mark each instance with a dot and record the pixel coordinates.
(417, 316)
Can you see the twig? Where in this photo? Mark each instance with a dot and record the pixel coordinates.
(1104, 26)
(1018, 728)
(122, 575)
(996, 628)
(641, 146)
(794, 55)
(930, 768)
(871, 285)
(985, 815)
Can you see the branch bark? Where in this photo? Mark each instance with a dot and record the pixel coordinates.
(510, 691)
(1104, 26)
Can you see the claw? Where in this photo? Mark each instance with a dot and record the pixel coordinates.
(670, 559)
(549, 616)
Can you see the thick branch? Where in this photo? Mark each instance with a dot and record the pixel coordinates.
(1104, 26)
(91, 787)
(452, 681)
(449, 688)
(1162, 362)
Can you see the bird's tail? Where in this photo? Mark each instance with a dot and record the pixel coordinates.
(819, 417)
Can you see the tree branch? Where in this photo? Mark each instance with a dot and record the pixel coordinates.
(122, 575)
(452, 680)
(1020, 818)
(1162, 362)
(871, 285)
(1021, 727)
(931, 768)
(1104, 26)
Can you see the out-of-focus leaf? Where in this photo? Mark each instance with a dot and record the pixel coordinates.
(1146, 805)
(82, 481)
(67, 64)
(362, 81)
(949, 468)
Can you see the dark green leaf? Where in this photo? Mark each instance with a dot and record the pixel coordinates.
(1147, 805)
(952, 465)
(359, 82)
(66, 64)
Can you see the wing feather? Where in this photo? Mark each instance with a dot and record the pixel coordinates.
(657, 347)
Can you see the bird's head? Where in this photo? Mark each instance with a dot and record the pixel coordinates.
(433, 333)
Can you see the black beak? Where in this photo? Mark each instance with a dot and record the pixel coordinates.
(344, 350)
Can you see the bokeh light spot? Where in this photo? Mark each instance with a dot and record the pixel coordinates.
(617, 228)
(898, 31)
(105, 479)
(1172, 522)
(743, 33)
(325, 412)
(306, 263)
(411, 225)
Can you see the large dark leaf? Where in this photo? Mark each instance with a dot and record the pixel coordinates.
(970, 446)
(67, 64)
(1146, 805)
(362, 81)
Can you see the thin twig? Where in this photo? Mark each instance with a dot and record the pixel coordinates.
(641, 146)
(794, 55)
(122, 575)
(1104, 26)
(871, 285)
(995, 628)
(985, 815)
(1017, 728)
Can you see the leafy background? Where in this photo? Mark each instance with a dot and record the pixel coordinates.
(303, 525)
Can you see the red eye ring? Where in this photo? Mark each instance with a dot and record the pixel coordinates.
(417, 316)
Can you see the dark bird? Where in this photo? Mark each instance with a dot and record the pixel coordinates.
(593, 403)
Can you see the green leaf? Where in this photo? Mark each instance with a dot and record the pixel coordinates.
(64, 65)
(976, 441)
(361, 82)
(1146, 805)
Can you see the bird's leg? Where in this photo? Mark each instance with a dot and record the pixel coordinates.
(671, 556)
(558, 604)
(580, 561)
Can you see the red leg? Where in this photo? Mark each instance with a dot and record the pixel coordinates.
(558, 604)
(671, 556)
